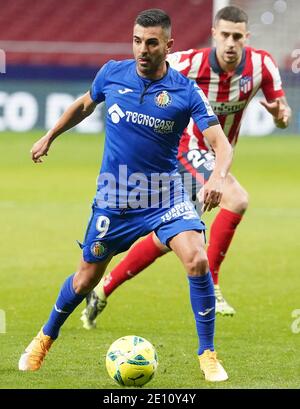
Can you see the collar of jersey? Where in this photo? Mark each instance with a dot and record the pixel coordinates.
(213, 62)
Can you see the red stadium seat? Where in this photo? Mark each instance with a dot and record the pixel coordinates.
(26, 24)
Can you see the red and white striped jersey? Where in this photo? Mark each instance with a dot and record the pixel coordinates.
(228, 93)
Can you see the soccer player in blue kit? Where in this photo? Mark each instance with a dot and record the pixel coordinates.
(148, 106)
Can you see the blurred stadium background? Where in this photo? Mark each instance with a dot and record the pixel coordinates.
(53, 51)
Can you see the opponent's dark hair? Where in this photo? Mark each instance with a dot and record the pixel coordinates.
(154, 18)
(232, 13)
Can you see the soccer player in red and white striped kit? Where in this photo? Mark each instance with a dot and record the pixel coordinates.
(230, 75)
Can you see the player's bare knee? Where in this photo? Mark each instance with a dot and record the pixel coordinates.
(236, 198)
(197, 264)
(242, 202)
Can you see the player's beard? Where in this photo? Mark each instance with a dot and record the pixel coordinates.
(230, 58)
(150, 66)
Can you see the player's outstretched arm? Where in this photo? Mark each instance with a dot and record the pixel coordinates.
(280, 111)
(80, 109)
(211, 193)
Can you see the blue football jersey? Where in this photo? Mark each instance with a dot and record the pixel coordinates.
(144, 123)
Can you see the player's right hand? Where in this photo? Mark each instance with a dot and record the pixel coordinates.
(40, 148)
(210, 194)
(280, 112)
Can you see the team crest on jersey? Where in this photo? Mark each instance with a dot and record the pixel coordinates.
(246, 84)
(98, 249)
(163, 99)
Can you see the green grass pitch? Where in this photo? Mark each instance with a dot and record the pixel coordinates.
(45, 207)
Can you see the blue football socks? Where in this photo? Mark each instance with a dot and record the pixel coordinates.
(65, 304)
(203, 304)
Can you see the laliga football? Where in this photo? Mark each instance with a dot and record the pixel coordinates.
(131, 361)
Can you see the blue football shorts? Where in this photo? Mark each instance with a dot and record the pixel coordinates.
(199, 164)
(112, 231)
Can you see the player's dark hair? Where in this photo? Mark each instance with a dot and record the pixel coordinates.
(232, 13)
(153, 18)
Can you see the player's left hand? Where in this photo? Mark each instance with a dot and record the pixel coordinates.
(40, 148)
(211, 193)
(280, 112)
